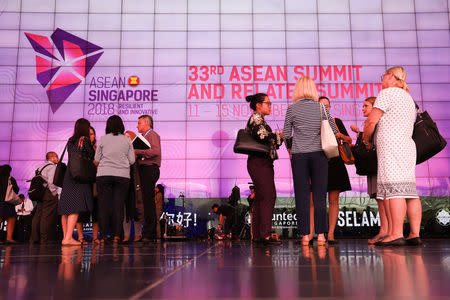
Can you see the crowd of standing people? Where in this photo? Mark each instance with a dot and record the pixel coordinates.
(125, 183)
(123, 188)
(393, 114)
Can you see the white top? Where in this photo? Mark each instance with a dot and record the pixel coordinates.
(25, 208)
(48, 173)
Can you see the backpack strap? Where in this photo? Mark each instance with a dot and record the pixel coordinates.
(39, 172)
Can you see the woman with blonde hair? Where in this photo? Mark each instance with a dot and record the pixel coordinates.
(395, 113)
(308, 161)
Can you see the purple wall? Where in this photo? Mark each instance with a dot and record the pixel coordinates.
(51, 77)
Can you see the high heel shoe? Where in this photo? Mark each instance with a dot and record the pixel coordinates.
(272, 240)
(321, 243)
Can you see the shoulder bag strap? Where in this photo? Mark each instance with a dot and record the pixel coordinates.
(64, 152)
(80, 143)
(337, 127)
(321, 107)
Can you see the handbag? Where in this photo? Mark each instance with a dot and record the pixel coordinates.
(81, 168)
(365, 159)
(429, 141)
(345, 151)
(11, 197)
(246, 144)
(60, 171)
(328, 139)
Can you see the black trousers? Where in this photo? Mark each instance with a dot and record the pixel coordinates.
(149, 175)
(229, 224)
(310, 172)
(43, 228)
(112, 191)
(22, 229)
(262, 174)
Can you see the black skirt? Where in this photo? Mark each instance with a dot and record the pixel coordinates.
(85, 216)
(337, 175)
(7, 210)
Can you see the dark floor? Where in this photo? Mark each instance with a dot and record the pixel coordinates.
(203, 270)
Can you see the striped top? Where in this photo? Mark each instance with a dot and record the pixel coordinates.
(303, 120)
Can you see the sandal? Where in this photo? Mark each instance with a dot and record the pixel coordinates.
(305, 243)
(321, 243)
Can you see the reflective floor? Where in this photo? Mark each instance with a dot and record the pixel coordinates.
(203, 270)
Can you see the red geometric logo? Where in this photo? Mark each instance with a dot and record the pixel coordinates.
(62, 62)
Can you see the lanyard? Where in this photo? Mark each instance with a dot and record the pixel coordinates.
(148, 131)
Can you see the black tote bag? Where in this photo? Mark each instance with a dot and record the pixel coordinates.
(60, 170)
(365, 159)
(429, 141)
(81, 168)
(246, 144)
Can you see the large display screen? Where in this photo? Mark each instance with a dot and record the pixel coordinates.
(190, 65)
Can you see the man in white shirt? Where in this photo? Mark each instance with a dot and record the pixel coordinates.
(45, 218)
(23, 222)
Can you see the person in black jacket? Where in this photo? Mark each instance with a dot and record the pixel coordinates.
(7, 211)
(260, 168)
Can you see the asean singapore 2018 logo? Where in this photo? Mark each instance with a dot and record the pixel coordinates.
(63, 61)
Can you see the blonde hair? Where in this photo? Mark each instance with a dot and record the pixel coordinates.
(305, 89)
(400, 76)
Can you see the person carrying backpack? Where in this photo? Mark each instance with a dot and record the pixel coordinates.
(43, 229)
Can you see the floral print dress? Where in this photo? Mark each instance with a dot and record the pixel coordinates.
(262, 133)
